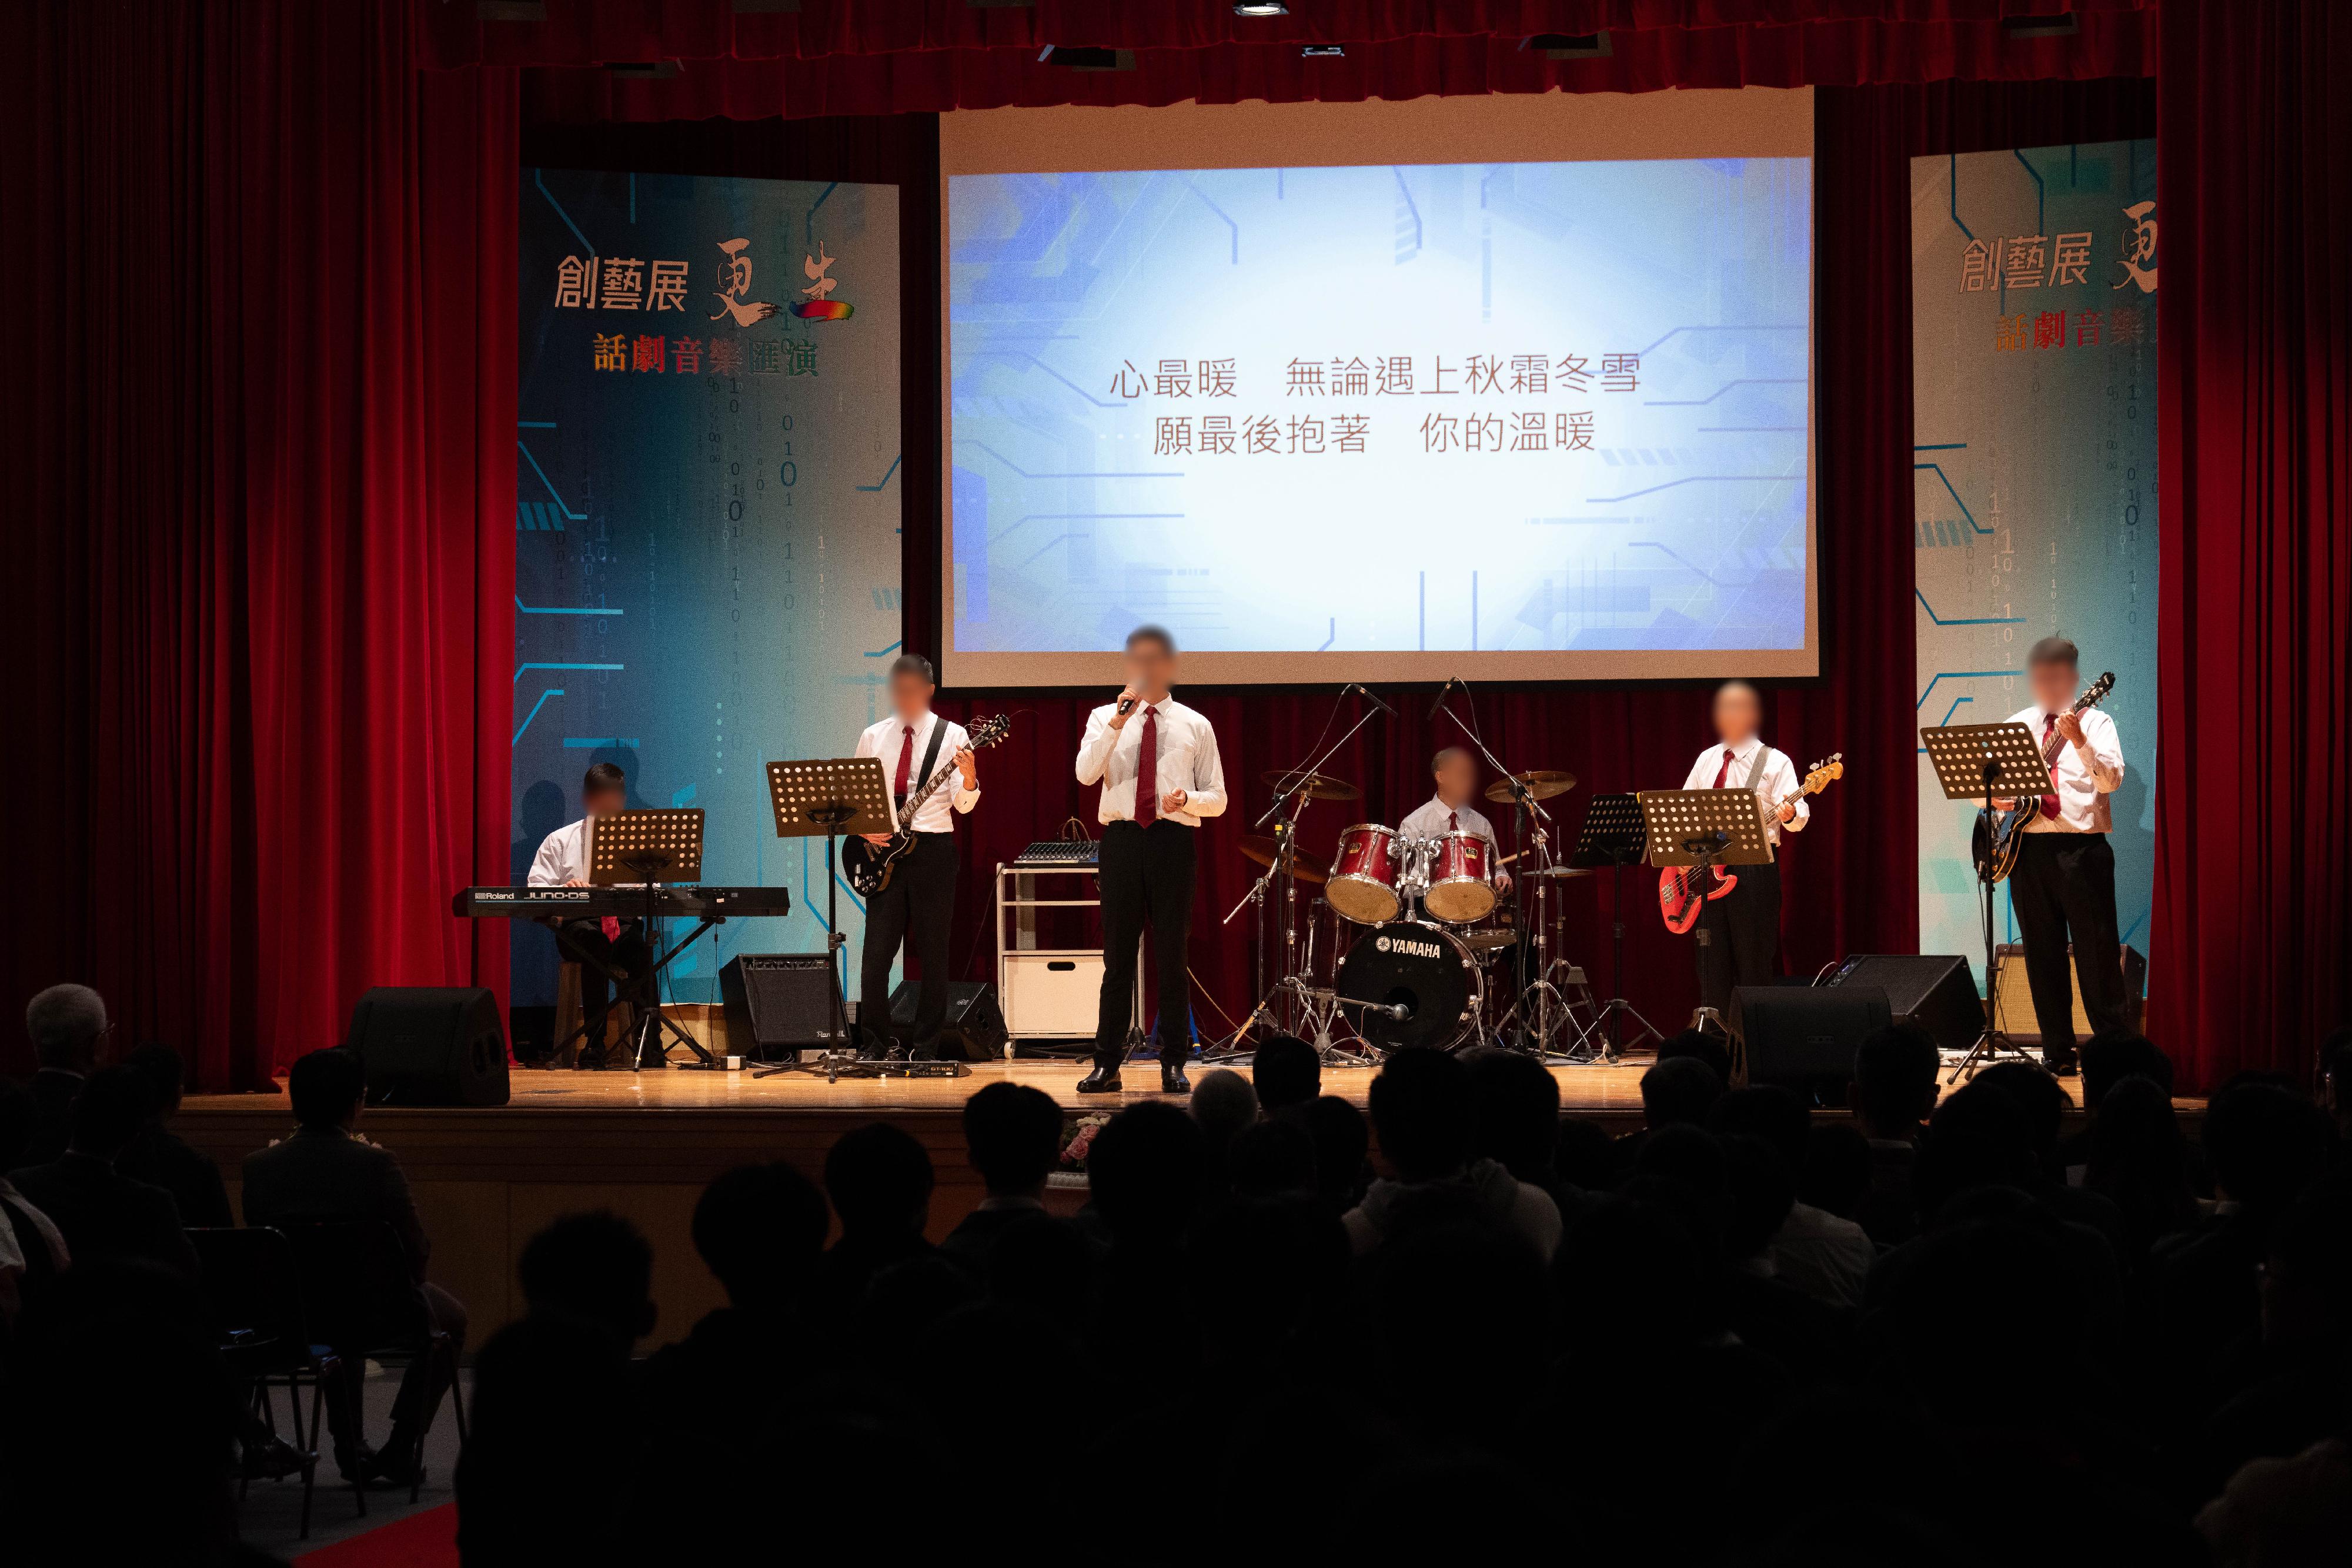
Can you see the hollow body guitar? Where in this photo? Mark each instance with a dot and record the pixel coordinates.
(1679, 898)
(867, 866)
(2000, 836)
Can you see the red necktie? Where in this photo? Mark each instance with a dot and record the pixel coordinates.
(2048, 802)
(1722, 772)
(906, 760)
(1452, 822)
(1147, 770)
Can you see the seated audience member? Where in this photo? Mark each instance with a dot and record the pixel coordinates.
(325, 1173)
(1229, 1106)
(1811, 1249)
(2283, 1513)
(2107, 1060)
(1893, 1094)
(2297, 1387)
(1012, 1134)
(879, 1180)
(1678, 1091)
(1288, 1073)
(1514, 1115)
(101, 1212)
(66, 1024)
(2044, 1101)
(1341, 1141)
(1836, 1173)
(1146, 1174)
(160, 1157)
(2138, 1160)
(1700, 1046)
(1274, 1158)
(546, 1475)
(1423, 1110)
(31, 1252)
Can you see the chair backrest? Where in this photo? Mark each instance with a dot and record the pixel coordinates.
(356, 1282)
(252, 1287)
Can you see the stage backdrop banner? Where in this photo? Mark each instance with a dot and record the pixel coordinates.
(2033, 336)
(706, 526)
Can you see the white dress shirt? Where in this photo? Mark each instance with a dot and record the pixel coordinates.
(1773, 782)
(888, 739)
(563, 856)
(2085, 781)
(1431, 818)
(1188, 761)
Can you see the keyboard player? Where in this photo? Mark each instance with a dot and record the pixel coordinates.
(614, 943)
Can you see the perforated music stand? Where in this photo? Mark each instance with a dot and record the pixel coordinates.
(644, 848)
(1976, 762)
(828, 797)
(1613, 835)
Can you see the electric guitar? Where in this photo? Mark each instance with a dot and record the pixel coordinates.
(2000, 836)
(1679, 897)
(868, 866)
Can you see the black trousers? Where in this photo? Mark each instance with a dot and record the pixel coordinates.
(1739, 937)
(1147, 880)
(584, 942)
(916, 909)
(2064, 889)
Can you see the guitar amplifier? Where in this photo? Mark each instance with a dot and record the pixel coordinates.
(778, 1001)
(2013, 1000)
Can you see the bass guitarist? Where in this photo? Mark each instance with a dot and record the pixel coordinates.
(1740, 933)
(919, 904)
(2064, 884)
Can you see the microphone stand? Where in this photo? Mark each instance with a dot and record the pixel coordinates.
(1528, 821)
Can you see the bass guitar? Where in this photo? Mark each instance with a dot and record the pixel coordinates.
(1679, 898)
(2001, 835)
(869, 866)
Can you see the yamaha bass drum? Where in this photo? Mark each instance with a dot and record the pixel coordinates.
(1411, 983)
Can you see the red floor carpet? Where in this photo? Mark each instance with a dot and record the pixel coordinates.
(426, 1540)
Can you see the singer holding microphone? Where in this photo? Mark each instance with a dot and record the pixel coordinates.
(1156, 761)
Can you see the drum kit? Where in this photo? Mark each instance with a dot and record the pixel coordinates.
(1417, 940)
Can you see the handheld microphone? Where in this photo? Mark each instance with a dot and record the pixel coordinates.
(1126, 707)
(1442, 692)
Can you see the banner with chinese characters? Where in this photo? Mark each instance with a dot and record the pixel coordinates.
(2033, 375)
(706, 515)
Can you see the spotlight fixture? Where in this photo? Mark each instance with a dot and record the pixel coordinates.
(1321, 52)
(1260, 9)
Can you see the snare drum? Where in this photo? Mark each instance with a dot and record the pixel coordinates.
(1363, 885)
(1461, 878)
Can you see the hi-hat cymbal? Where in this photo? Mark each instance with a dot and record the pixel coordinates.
(1262, 851)
(1317, 786)
(1543, 783)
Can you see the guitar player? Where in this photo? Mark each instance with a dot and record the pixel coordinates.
(919, 904)
(1740, 933)
(2064, 884)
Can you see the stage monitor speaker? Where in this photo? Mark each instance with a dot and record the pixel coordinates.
(2012, 999)
(431, 1045)
(777, 1002)
(1934, 990)
(974, 1031)
(1804, 1037)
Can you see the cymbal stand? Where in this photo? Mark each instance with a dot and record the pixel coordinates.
(1529, 823)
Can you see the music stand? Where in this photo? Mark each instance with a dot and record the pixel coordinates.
(1612, 834)
(643, 849)
(1703, 829)
(1975, 762)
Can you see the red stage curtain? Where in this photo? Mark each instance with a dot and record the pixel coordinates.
(2251, 943)
(260, 450)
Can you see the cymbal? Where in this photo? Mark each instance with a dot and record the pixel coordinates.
(1261, 851)
(1543, 783)
(1319, 786)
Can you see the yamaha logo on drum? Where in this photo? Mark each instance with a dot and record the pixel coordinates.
(1407, 946)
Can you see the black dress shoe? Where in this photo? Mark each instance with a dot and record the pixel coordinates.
(1100, 1078)
(1171, 1077)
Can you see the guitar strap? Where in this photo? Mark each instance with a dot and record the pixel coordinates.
(931, 755)
(1756, 766)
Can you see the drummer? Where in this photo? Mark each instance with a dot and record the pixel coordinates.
(1450, 810)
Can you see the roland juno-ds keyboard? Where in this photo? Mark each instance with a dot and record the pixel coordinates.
(696, 903)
